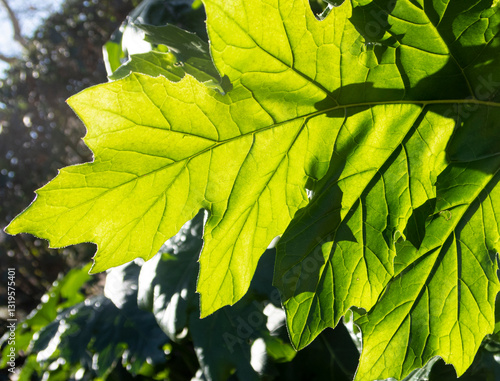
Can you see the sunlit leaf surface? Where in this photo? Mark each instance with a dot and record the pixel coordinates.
(388, 112)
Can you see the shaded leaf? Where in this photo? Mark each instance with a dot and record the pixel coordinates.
(167, 282)
(187, 54)
(64, 293)
(224, 341)
(98, 331)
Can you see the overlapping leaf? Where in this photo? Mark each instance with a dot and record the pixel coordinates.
(397, 103)
(338, 251)
(443, 295)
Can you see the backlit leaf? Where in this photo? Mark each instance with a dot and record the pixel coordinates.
(386, 111)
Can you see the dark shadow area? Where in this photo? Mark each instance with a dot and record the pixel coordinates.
(484, 367)
(374, 25)
(331, 356)
(415, 229)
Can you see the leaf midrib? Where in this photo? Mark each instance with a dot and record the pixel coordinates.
(306, 117)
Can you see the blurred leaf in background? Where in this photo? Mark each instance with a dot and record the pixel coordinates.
(146, 326)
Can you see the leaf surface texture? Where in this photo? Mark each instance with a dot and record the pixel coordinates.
(386, 111)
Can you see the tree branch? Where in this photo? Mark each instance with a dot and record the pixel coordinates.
(15, 25)
(9, 60)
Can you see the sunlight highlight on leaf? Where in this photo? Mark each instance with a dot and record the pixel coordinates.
(386, 111)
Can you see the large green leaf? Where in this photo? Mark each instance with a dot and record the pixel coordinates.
(387, 111)
(338, 251)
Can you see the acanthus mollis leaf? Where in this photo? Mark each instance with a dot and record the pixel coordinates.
(368, 108)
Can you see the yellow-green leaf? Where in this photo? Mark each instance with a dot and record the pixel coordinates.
(386, 111)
